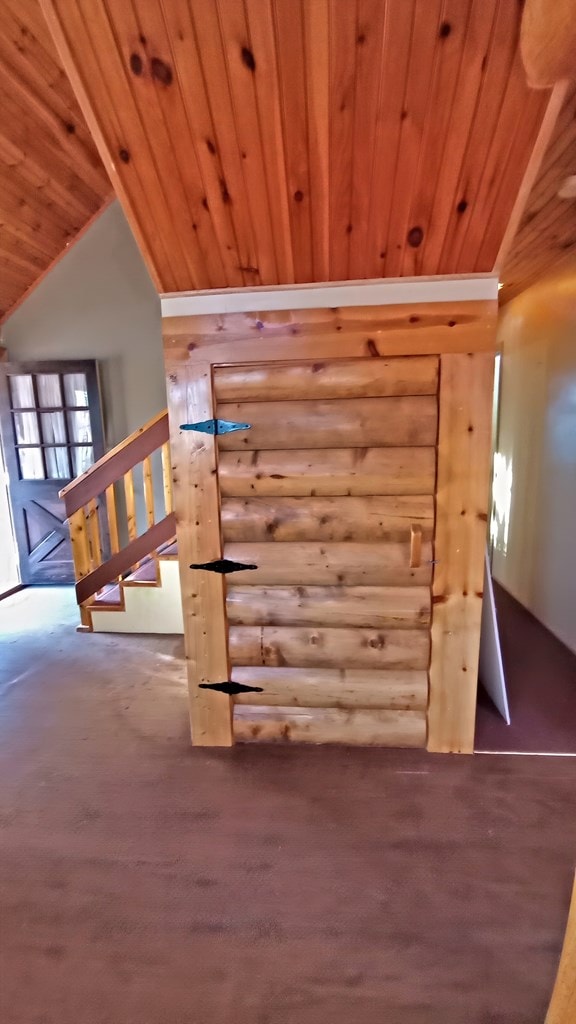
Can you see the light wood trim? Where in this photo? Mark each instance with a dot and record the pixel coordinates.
(113, 464)
(562, 1009)
(148, 490)
(547, 126)
(80, 543)
(333, 687)
(94, 534)
(167, 477)
(196, 503)
(415, 546)
(466, 385)
(330, 725)
(112, 515)
(128, 481)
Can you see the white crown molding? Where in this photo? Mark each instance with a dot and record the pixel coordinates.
(385, 292)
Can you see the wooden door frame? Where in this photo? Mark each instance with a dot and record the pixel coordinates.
(462, 334)
(7, 434)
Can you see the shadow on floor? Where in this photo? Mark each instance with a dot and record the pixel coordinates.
(541, 682)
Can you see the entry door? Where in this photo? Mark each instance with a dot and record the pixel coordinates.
(51, 427)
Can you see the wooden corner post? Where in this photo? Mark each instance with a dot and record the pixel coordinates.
(462, 492)
(196, 506)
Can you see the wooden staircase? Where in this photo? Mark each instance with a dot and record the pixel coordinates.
(122, 530)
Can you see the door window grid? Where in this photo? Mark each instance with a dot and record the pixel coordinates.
(53, 441)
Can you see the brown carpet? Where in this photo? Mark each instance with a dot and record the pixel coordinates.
(144, 882)
(541, 683)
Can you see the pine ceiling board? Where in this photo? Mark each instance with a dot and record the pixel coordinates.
(289, 44)
(342, 46)
(202, 129)
(159, 108)
(497, 60)
(241, 71)
(445, 199)
(280, 141)
(371, 22)
(232, 191)
(507, 162)
(52, 181)
(425, 50)
(438, 142)
(122, 140)
(546, 238)
(393, 73)
(317, 73)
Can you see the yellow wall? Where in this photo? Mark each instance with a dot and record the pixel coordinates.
(537, 440)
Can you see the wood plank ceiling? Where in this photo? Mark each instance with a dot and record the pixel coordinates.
(546, 238)
(275, 141)
(52, 180)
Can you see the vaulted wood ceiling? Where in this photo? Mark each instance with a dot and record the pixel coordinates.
(270, 141)
(52, 180)
(546, 238)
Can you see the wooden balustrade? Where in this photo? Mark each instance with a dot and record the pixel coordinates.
(102, 509)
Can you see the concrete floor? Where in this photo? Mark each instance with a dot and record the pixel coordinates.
(144, 882)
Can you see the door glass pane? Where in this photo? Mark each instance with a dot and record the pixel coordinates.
(75, 390)
(26, 428)
(48, 385)
(53, 427)
(57, 463)
(79, 427)
(82, 459)
(21, 391)
(31, 467)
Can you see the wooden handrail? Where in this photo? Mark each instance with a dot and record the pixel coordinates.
(112, 466)
(91, 502)
(123, 561)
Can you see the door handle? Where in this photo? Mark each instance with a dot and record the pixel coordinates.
(415, 546)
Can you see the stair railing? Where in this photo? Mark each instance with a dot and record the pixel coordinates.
(108, 535)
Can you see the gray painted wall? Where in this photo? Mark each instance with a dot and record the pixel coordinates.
(99, 303)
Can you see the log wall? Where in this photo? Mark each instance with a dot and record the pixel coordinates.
(330, 494)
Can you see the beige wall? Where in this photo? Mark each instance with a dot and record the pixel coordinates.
(537, 438)
(98, 303)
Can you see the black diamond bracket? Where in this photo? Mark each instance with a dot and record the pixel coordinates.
(230, 687)
(222, 565)
(215, 426)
